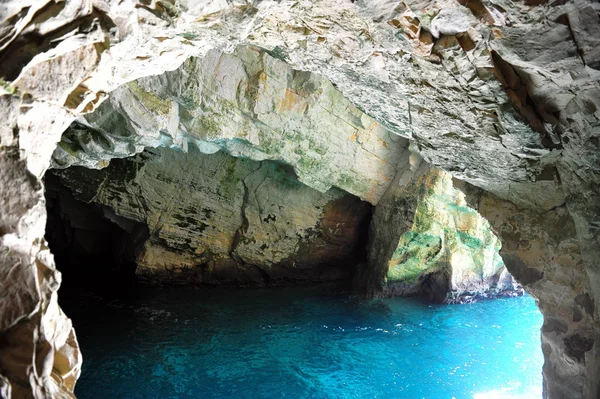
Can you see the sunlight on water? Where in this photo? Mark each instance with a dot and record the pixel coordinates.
(507, 394)
(305, 343)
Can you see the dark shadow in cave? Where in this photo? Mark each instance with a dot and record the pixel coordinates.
(94, 248)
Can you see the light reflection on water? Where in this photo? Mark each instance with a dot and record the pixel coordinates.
(306, 343)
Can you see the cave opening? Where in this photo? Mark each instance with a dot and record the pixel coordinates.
(348, 94)
(166, 200)
(192, 332)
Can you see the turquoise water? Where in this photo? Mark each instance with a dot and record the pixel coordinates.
(305, 343)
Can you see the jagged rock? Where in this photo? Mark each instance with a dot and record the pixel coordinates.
(42, 77)
(445, 236)
(40, 355)
(510, 106)
(388, 111)
(425, 241)
(251, 105)
(451, 21)
(219, 219)
(542, 252)
(584, 24)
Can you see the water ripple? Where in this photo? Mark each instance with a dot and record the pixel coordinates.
(306, 343)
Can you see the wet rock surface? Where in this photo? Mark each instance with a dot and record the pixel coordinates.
(426, 241)
(216, 219)
(501, 95)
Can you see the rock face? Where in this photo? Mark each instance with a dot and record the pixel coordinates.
(251, 105)
(502, 95)
(38, 346)
(217, 219)
(542, 252)
(425, 241)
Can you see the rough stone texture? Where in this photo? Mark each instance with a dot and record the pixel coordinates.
(451, 101)
(446, 237)
(425, 241)
(392, 217)
(39, 350)
(542, 252)
(251, 105)
(503, 95)
(219, 219)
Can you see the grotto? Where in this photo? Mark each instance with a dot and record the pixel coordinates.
(240, 154)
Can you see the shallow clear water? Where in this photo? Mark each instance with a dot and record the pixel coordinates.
(305, 343)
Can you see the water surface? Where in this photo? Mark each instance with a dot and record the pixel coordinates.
(305, 343)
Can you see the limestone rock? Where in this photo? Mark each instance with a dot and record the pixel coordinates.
(542, 253)
(42, 77)
(451, 21)
(584, 23)
(219, 219)
(425, 241)
(446, 235)
(509, 105)
(251, 105)
(39, 351)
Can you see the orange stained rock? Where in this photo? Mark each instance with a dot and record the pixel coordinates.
(383, 143)
(292, 102)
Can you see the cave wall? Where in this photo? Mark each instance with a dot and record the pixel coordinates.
(96, 250)
(541, 250)
(426, 241)
(502, 95)
(249, 104)
(216, 219)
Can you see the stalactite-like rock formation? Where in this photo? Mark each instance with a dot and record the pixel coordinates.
(501, 95)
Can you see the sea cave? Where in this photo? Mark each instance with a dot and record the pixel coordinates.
(307, 199)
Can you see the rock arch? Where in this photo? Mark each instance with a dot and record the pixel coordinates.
(502, 97)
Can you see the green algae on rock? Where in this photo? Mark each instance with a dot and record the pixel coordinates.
(217, 219)
(446, 236)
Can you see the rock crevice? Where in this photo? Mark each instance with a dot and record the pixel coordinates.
(502, 96)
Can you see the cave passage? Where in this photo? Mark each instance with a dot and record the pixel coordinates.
(221, 334)
(93, 247)
(189, 218)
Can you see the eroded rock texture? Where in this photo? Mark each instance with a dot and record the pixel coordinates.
(217, 219)
(38, 347)
(502, 95)
(425, 241)
(542, 252)
(251, 105)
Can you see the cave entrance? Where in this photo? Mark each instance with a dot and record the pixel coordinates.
(220, 342)
(185, 211)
